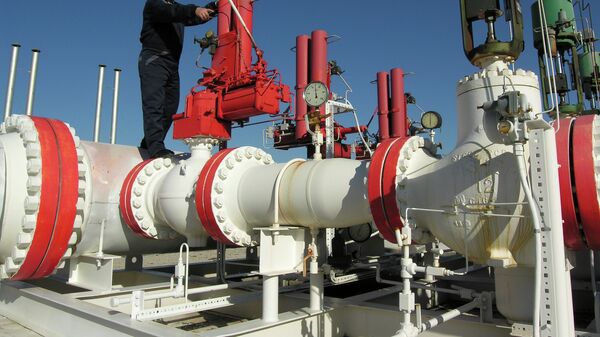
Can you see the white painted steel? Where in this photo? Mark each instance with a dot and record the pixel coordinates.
(174, 196)
(108, 167)
(11, 80)
(556, 300)
(316, 287)
(309, 195)
(477, 182)
(32, 80)
(101, 69)
(270, 302)
(15, 193)
(115, 107)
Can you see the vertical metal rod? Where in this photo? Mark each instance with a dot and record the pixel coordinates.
(115, 108)
(11, 80)
(99, 102)
(32, 79)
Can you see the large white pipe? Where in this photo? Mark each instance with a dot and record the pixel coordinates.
(308, 194)
(11, 80)
(101, 69)
(32, 80)
(115, 107)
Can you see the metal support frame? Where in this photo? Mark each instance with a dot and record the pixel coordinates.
(329, 131)
(556, 308)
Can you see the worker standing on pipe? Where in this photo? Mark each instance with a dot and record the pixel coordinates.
(162, 44)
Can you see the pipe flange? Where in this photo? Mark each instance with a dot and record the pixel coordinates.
(406, 154)
(382, 184)
(47, 233)
(26, 130)
(571, 227)
(494, 73)
(585, 150)
(137, 199)
(217, 191)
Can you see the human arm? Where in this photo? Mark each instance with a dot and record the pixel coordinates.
(163, 12)
(203, 15)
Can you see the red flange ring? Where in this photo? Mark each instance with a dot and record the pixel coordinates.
(125, 201)
(48, 201)
(584, 151)
(382, 187)
(58, 200)
(67, 201)
(388, 185)
(203, 197)
(571, 231)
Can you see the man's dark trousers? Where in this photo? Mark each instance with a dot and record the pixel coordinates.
(159, 79)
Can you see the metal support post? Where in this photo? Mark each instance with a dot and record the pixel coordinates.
(316, 277)
(115, 107)
(99, 102)
(32, 79)
(11, 80)
(556, 307)
(270, 299)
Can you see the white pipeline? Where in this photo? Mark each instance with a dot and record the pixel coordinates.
(432, 323)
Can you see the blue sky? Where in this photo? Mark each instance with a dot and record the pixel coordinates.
(75, 36)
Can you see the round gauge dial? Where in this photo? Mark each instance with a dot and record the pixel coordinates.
(360, 233)
(316, 94)
(431, 120)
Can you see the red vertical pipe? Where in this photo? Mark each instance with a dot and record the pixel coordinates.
(383, 96)
(246, 12)
(301, 82)
(318, 58)
(224, 17)
(398, 112)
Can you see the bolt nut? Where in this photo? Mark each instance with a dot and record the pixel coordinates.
(223, 173)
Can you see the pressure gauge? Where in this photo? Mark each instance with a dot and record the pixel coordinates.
(431, 120)
(316, 94)
(360, 233)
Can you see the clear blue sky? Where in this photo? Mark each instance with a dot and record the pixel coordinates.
(75, 36)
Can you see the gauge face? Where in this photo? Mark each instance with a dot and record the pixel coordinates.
(431, 120)
(360, 233)
(316, 94)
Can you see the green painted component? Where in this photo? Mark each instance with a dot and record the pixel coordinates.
(560, 16)
(586, 63)
(569, 109)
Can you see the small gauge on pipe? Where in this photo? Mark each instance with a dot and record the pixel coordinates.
(316, 94)
(431, 120)
(360, 233)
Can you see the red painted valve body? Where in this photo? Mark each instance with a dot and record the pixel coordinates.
(235, 89)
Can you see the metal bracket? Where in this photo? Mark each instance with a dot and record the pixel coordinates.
(92, 271)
